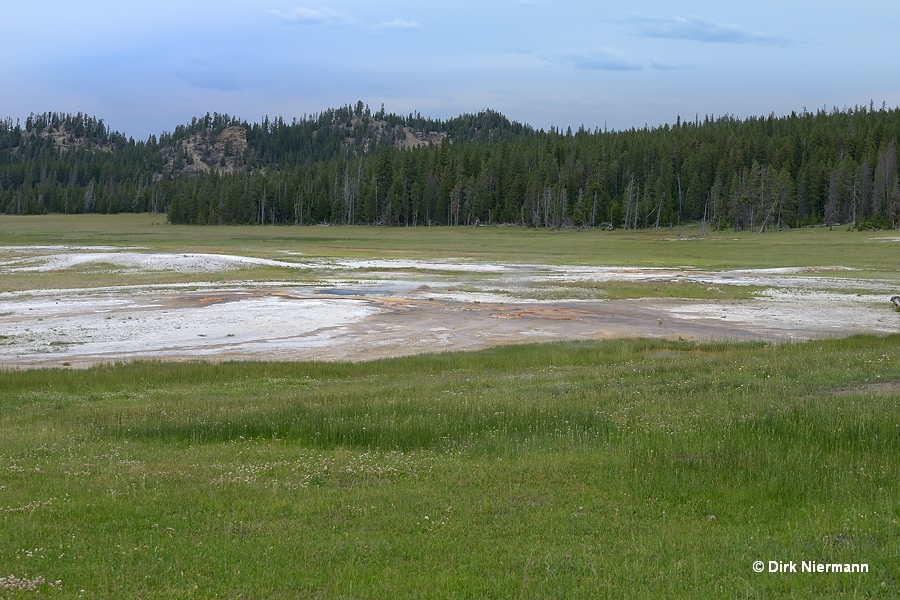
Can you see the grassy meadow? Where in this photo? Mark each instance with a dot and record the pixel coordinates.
(871, 252)
(626, 468)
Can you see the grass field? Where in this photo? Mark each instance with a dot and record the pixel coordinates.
(628, 468)
(873, 253)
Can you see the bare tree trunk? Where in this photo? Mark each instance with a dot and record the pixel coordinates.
(262, 208)
(630, 208)
(680, 201)
(659, 200)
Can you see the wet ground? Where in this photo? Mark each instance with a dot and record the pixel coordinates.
(358, 310)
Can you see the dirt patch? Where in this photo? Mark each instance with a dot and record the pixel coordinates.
(365, 309)
(881, 388)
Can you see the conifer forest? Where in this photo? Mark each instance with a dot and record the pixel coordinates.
(353, 166)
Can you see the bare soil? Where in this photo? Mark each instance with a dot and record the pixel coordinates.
(360, 310)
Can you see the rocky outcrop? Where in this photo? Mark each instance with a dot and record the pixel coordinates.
(232, 141)
(202, 153)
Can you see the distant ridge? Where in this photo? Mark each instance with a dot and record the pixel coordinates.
(351, 166)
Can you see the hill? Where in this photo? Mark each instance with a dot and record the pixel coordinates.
(350, 165)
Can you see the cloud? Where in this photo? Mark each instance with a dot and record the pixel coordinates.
(703, 30)
(328, 17)
(603, 59)
(311, 16)
(398, 25)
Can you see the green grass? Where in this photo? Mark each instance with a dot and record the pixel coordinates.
(615, 290)
(96, 276)
(872, 252)
(617, 469)
(835, 254)
(628, 468)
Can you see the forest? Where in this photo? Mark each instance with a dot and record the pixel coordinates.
(351, 165)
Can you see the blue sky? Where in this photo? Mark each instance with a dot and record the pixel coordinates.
(145, 67)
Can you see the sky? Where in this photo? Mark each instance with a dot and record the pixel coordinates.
(145, 67)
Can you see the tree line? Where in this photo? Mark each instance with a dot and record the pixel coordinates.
(354, 166)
